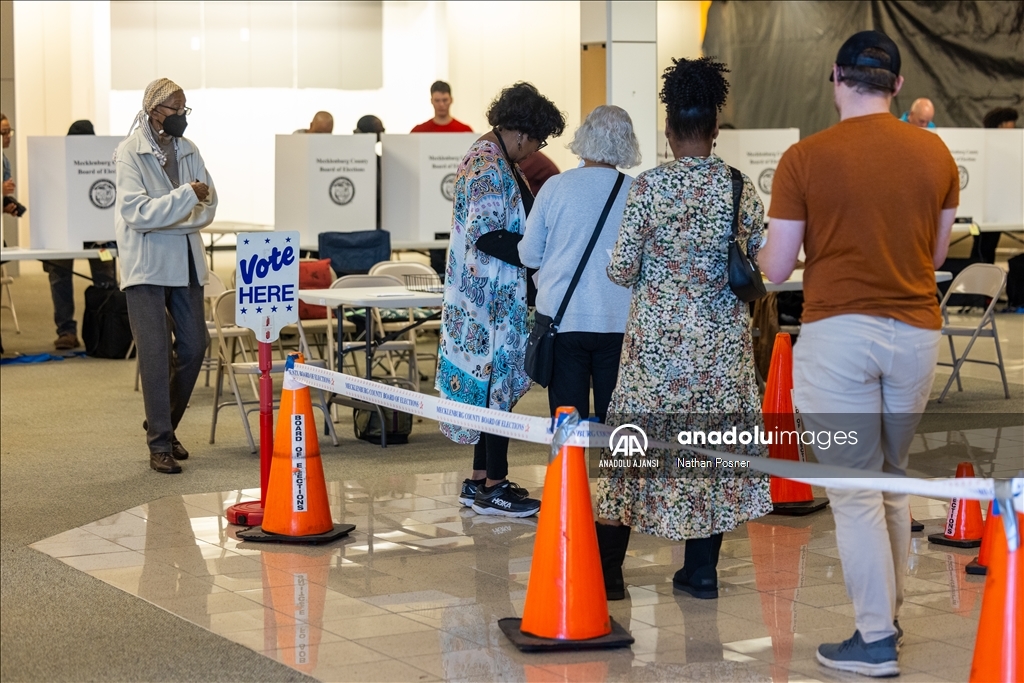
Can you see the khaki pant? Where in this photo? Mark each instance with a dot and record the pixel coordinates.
(871, 375)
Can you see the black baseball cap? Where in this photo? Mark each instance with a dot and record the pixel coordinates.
(852, 52)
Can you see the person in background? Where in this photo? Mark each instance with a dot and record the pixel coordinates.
(10, 205)
(986, 243)
(62, 286)
(1001, 117)
(372, 124)
(589, 340)
(322, 122)
(871, 322)
(921, 113)
(538, 168)
(687, 357)
(164, 198)
(443, 122)
(483, 314)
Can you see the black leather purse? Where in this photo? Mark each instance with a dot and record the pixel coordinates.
(744, 275)
(540, 347)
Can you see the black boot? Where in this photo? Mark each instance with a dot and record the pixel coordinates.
(699, 575)
(612, 542)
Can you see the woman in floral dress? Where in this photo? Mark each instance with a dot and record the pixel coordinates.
(483, 316)
(687, 359)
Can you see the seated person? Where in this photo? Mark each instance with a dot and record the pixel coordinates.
(1001, 117)
(921, 113)
(322, 122)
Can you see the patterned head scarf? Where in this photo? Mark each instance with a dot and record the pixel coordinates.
(156, 92)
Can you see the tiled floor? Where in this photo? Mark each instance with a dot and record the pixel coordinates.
(415, 593)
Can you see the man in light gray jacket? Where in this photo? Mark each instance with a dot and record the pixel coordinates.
(164, 197)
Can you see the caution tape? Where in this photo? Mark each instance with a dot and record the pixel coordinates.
(594, 435)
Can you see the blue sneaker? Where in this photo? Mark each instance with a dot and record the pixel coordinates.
(877, 659)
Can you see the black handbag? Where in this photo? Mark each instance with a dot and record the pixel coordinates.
(744, 276)
(540, 347)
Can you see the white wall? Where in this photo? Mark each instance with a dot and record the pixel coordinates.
(63, 74)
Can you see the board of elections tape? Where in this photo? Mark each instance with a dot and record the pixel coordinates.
(590, 434)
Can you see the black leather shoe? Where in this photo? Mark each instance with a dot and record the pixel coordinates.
(178, 451)
(164, 463)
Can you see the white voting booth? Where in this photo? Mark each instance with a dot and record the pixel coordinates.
(419, 182)
(991, 166)
(325, 183)
(756, 153)
(71, 180)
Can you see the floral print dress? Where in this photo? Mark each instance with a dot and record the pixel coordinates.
(687, 357)
(483, 316)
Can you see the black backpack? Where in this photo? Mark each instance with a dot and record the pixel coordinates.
(106, 331)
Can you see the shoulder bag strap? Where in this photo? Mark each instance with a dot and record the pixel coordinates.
(737, 193)
(590, 247)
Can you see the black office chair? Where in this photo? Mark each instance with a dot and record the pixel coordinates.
(354, 253)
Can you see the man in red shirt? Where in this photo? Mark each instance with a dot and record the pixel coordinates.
(441, 99)
(871, 323)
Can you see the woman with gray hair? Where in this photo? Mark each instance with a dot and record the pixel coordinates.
(164, 197)
(558, 231)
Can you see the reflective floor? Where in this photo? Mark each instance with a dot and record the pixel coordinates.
(415, 592)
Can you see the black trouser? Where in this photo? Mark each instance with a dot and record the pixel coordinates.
(491, 454)
(168, 369)
(582, 358)
(985, 245)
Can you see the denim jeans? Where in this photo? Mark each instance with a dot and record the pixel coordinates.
(62, 289)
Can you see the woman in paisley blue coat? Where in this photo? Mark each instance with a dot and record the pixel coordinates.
(483, 318)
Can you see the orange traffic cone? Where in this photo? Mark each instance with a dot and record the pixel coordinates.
(963, 524)
(999, 648)
(297, 510)
(979, 565)
(788, 497)
(566, 607)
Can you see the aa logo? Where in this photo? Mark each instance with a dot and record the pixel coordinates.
(628, 441)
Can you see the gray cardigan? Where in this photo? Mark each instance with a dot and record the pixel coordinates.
(557, 232)
(157, 224)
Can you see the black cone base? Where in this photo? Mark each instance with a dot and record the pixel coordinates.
(976, 569)
(799, 509)
(916, 525)
(940, 539)
(619, 637)
(258, 535)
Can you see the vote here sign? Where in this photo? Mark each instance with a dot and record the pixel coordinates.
(267, 282)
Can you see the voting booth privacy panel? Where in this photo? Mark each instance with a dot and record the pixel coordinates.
(325, 183)
(756, 153)
(419, 183)
(71, 180)
(991, 166)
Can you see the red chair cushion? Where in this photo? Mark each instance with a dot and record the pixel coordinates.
(314, 275)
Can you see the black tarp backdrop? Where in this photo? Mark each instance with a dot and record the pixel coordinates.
(967, 57)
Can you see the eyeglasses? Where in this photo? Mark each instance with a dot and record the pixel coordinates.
(184, 110)
(6, 132)
(542, 145)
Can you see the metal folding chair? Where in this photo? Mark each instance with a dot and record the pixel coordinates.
(228, 336)
(986, 280)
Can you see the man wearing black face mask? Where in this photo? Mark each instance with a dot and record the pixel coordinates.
(164, 197)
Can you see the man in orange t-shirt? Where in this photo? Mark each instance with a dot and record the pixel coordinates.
(872, 203)
(441, 99)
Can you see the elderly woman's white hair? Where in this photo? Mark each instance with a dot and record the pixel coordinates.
(607, 136)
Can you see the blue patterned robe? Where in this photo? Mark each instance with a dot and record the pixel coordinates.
(483, 317)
